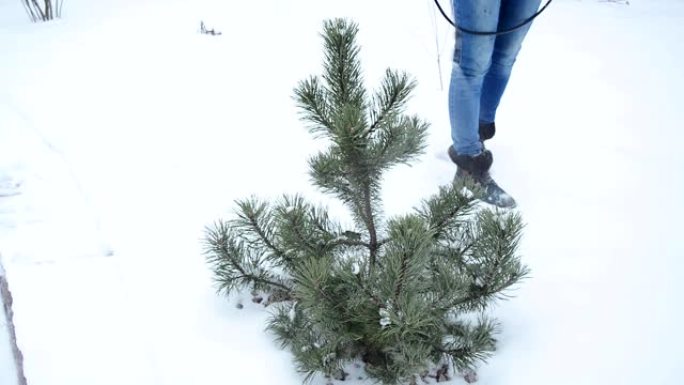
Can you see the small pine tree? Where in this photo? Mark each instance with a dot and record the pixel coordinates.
(398, 293)
(47, 11)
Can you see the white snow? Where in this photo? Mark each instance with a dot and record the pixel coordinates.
(356, 268)
(384, 318)
(292, 314)
(124, 131)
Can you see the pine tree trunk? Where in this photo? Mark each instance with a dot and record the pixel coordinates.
(370, 222)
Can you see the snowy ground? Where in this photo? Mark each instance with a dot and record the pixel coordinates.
(123, 132)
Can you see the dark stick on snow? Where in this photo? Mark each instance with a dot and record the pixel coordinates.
(8, 315)
(206, 31)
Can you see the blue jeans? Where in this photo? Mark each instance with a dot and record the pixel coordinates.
(482, 65)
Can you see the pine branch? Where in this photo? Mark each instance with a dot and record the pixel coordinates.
(310, 276)
(398, 142)
(342, 70)
(407, 256)
(350, 243)
(305, 229)
(391, 99)
(312, 354)
(374, 298)
(469, 344)
(448, 208)
(255, 218)
(401, 278)
(313, 102)
(494, 266)
(296, 227)
(328, 174)
(448, 285)
(229, 258)
(321, 222)
(258, 279)
(332, 234)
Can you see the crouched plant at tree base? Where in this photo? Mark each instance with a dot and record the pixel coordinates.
(397, 293)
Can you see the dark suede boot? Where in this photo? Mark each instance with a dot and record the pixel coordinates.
(477, 167)
(487, 131)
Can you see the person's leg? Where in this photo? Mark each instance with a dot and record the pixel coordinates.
(472, 58)
(506, 49)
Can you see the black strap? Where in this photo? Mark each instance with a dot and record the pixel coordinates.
(495, 33)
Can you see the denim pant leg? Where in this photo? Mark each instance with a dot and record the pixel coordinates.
(472, 57)
(506, 48)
